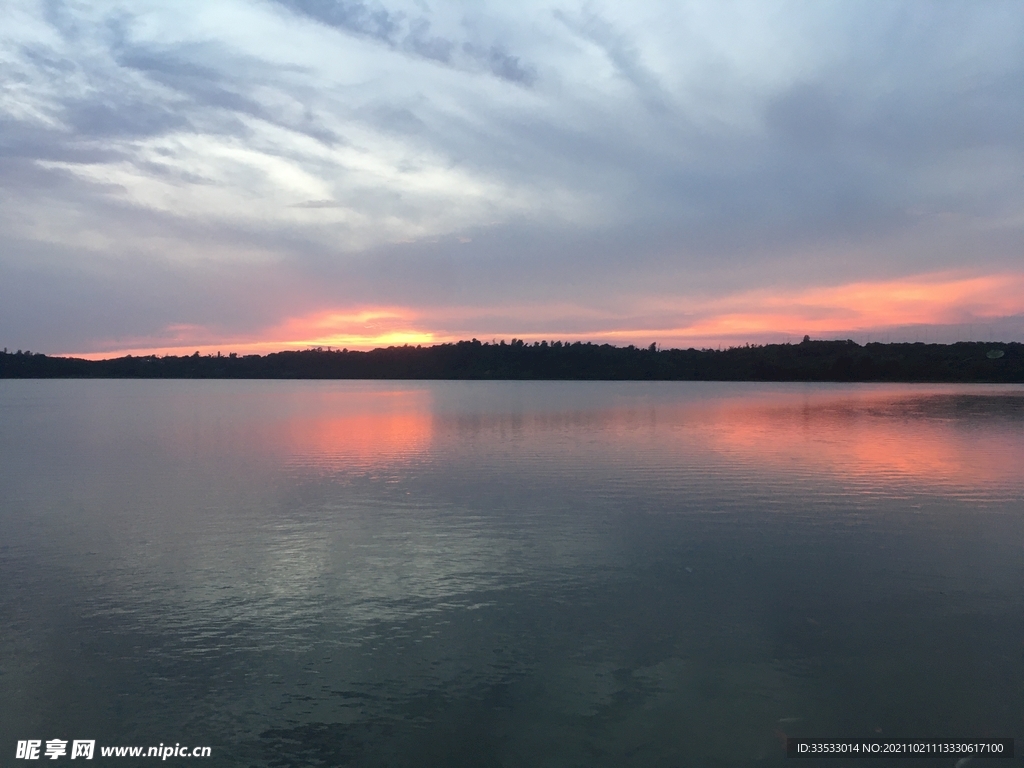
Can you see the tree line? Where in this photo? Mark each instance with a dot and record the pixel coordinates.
(806, 361)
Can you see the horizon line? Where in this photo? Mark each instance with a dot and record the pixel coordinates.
(533, 344)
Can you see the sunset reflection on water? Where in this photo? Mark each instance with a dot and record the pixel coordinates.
(640, 573)
(881, 435)
(356, 431)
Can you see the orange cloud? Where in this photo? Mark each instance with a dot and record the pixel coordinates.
(361, 328)
(936, 299)
(366, 328)
(750, 316)
(931, 299)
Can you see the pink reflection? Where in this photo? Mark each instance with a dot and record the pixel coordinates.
(872, 436)
(359, 431)
(879, 435)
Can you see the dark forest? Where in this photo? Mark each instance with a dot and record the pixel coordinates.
(806, 361)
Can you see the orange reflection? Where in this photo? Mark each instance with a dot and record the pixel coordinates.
(375, 430)
(872, 439)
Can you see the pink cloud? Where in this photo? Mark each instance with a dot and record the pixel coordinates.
(931, 300)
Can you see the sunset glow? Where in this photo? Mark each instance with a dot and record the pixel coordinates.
(359, 329)
(433, 382)
(621, 173)
(863, 308)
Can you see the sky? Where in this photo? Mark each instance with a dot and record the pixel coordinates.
(249, 176)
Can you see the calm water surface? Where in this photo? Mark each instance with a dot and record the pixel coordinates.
(508, 574)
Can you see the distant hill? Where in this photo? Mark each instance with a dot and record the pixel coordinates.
(807, 361)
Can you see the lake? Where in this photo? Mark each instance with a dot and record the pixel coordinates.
(508, 573)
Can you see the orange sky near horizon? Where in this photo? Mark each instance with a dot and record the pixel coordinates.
(688, 175)
(934, 299)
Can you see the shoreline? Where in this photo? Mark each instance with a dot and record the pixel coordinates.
(824, 361)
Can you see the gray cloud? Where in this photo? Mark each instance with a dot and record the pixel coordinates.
(350, 164)
(354, 16)
(501, 64)
(411, 34)
(200, 89)
(421, 42)
(621, 51)
(804, 115)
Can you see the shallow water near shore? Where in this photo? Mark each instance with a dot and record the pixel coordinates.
(508, 573)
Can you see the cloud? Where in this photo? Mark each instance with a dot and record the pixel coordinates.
(951, 305)
(621, 52)
(405, 154)
(373, 21)
(318, 204)
(411, 32)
